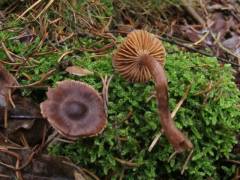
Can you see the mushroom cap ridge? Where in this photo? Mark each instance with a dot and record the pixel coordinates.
(74, 109)
(127, 60)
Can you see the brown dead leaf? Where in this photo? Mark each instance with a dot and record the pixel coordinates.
(40, 166)
(233, 44)
(76, 70)
(124, 28)
(6, 80)
(23, 120)
(220, 24)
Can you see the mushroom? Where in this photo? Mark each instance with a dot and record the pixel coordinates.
(74, 109)
(138, 59)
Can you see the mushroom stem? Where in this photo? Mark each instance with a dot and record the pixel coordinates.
(174, 135)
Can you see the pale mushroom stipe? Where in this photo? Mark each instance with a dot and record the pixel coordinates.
(139, 58)
(74, 109)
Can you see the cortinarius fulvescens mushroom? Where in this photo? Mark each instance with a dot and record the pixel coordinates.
(74, 109)
(138, 59)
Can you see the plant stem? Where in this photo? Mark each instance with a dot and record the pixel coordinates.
(175, 136)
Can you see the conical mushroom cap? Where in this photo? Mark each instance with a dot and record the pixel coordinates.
(74, 109)
(127, 59)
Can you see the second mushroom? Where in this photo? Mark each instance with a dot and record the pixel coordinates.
(74, 109)
(138, 59)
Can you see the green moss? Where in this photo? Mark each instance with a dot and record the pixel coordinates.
(211, 120)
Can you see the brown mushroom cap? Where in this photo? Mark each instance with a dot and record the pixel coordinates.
(127, 59)
(74, 109)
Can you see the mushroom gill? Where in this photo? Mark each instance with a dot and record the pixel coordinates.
(128, 58)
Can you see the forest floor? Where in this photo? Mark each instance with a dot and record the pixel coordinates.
(45, 42)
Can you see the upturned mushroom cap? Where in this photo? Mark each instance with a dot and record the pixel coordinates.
(74, 109)
(140, 57)
(128, 58)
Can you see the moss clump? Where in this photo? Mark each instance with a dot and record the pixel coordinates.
(209, 116)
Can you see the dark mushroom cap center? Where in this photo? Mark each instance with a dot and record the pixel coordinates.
(75, 110)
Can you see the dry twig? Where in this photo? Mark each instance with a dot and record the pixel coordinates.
(188, 6)
(44, 77)
(106, 82)
(7, 53)
(27, 10)
(63, 55)
(126, 163)
(44, 9)
(186, 162)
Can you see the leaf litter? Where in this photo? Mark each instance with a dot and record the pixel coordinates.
(216, 34)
